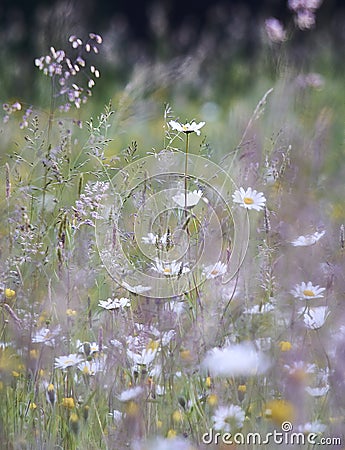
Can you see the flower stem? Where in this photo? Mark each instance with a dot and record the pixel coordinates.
(186, 175)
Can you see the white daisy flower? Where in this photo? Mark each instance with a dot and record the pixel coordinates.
(228, 418)
(92, 367)
(193, 198)
(62, 362)
(249, 199)
(46, 336)
(300, 367)
(312, 427)
(235, 360)
(130, 394)
(215, 270)
(87, 347)
(309, 239)
(138, 289)
(144, 358)
(187, 127)
(315, 318)
(115, 303)
(318, 391)
(306, 291)
(170, 269)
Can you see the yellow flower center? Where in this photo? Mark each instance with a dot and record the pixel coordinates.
(248, 200)
(167, 270)
(308, 293)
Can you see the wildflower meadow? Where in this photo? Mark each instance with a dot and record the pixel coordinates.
(172, 246)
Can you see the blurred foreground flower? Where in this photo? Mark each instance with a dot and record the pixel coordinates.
(235, 360)
(309, 239)
(187, 127)
(306, 291)
(249, 199)
(130, 394)
(275, 30)
(312, 427)
(228, 418)
(172, 443)
(315, 318)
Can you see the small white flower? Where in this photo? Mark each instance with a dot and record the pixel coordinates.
(187, 127)
(62, 362)
(115, 303)
(228, 418)
(170, 269)
(215, 270)
(312, 427)
(318, 391)
(309, 239)
(130, 394)
(249, 199)
(92, 367)
(306, 291)
(46, 336)
(144, 358)
(138, 289)
(193, 198)
(235, 360)
(300, 367)
(315, 318)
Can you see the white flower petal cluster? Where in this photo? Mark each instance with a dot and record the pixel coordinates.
(138, 289)
(228, 418)
(187, 127)
(312, 427)
(191, 200)
(144, 358)
(317, 391)
(63, 362)
(315, 318)
(249, 198)
(215, 270)
(46, 336)
(130, 394)
(309, 239)
(170, 269)
(306, 291)
(115, 303)
(236, 360)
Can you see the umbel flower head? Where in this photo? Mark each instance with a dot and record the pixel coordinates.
(306, 291)
(249, 198)
(187, 127)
